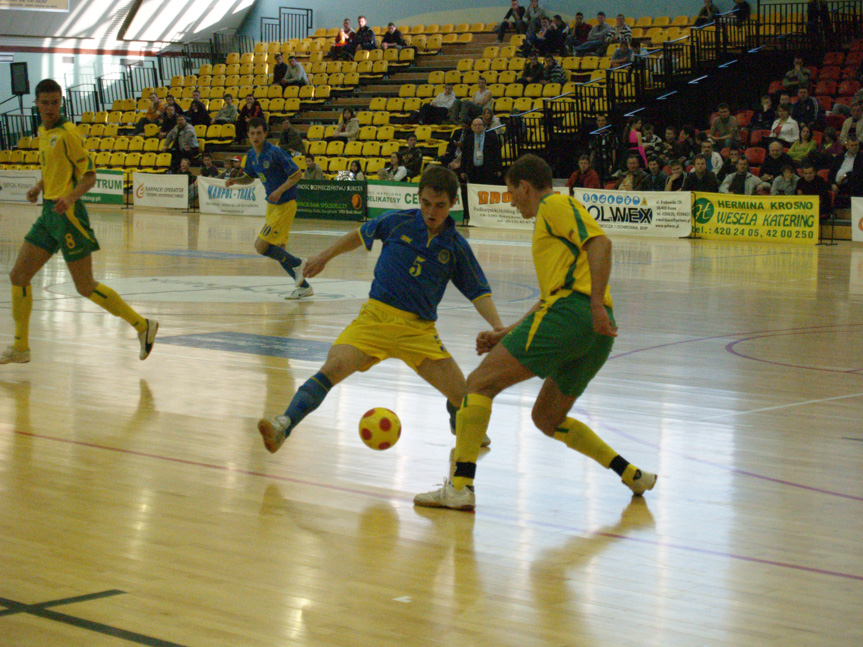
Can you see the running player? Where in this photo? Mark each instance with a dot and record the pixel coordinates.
(564, 339)
(67, 174)
(280, 176)
(422, 252)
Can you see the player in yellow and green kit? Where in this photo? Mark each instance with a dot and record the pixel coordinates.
(67, 174)
(564, 339)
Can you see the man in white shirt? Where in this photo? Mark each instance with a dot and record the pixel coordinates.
(440, 108)
(471, 109)
(846, 174)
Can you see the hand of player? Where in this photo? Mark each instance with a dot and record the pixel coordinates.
(314, 266)
(229, 182)
(487, 340)
(33, 194)
(62, 205)
(602, 322)
(274, 196)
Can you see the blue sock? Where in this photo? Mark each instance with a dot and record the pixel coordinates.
(308, 398)
(287, 261)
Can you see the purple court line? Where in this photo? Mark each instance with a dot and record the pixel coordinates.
(730, 348)
(327, 486)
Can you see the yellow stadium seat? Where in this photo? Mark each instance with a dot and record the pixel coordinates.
(662, 21)
(371, 148)
(315, 131)
(681, 21)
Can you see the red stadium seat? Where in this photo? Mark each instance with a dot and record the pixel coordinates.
(755, 156)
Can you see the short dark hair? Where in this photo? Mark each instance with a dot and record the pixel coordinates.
(532, 169)
(170, 96)
(600, 13)
(722, 106)
(584, 157)
(48, 86)
(258, 122)
(228, 96)
(440, 180)
(787, 167)
(579, 14)
(391, 24)
(700, 157)
(807, 164)
(310, 156)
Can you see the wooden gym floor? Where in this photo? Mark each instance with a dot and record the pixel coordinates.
(138, 505)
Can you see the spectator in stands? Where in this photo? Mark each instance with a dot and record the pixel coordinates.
(804, 148)
(785, 129)
(797, 77)
(356, 170)
(632, 138)
(622, 55)
(295, 74)
(412, 156)
(729, 165)
(763, 119)
(689, 145)
(741, 11)
(552, 72)
(656, 178)
(152, 116)
(452, 157)
(533, 16)
(235, 170)
(363, 38)
(439, 109)
(395, 171)
(678, 179)
(671, 148)
(714, 160)
(490, 120)
(313, 171)
(556, 39)
(209, 169)
(514, 20)
(707, 14)
(169, 121)
(392, 38)
(532, 72)
(632, 177)
(348, 127)
(227, 114)
(742, 182)
(603, 146)
(279, 70)
(197, 114)
(181, 141)
(813, 184)
(830, 145)
(652, 143)
(171, 101)
(774, 162)
(595, 43)
(852, 128)
(702, 179)
(620, 32)
(342, 39)
(473, 108)
(185, 168)
(846, 174)
(577, 35)
(251, 110)
(807, 110)
(724, 130)
(481, 161)
(291, 141)
(639, 54)
(584, 177)
(785, 183)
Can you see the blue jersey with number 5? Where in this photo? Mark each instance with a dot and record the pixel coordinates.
(414, 267)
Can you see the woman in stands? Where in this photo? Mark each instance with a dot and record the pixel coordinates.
(357, 171)
(785, 129)
(348, 127)
(490, 119)
(632, 138)
(251, 110)
(395, 171)
(804, 148)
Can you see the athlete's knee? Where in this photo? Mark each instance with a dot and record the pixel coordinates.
(546, 420)
(85, 288)
(261, 246)
(485, 383)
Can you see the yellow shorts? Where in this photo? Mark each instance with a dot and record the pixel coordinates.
(280, 218)
(383, 332)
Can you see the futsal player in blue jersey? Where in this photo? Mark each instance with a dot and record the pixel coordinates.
(280, 176)
(422, 252)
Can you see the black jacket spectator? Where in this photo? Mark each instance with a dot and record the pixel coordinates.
(706, 183)
(817, 187)
(491, 171)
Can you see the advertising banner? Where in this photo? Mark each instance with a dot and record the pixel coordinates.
(489, 206)
(331, 200)
(15, 184)
(238, 200)
(160, 190)
(772, 219)
(108, 189)
(390, 196)
(857, 220)
(657, 214)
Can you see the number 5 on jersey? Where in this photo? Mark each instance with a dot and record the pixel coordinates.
(417, 268)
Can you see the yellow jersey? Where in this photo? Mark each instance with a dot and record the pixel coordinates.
(562, 227)
(63, 159)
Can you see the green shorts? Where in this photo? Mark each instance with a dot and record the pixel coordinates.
(559, 342)
(68, 231)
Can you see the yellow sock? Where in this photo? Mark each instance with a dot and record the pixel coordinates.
(578, 436)
(471, 424)
(22, 305)
(105, 297)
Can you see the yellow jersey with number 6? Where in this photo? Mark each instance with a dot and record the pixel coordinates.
(63, 159)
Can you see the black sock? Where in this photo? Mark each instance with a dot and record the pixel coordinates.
(619, 464)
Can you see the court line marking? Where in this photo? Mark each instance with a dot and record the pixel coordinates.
(391, 497)
(40, 610)
(732, 414)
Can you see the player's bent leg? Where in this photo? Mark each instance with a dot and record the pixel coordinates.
(31, 259)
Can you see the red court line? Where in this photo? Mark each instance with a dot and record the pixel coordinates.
(223, 468)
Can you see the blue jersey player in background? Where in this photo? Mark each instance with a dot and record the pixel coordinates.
(422, 252)
(280, 176)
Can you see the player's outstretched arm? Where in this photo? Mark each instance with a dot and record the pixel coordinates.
(347, 243)
(488, 339)
(88, 181)
(599, 260)
(243, 179)
(33, 193)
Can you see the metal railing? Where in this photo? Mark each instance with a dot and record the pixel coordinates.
(111, 87)
(227, 41)
(293, 22)
(140, 75)
(80, 99)
(13, 126)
